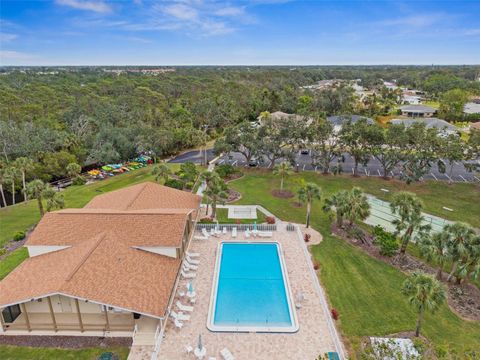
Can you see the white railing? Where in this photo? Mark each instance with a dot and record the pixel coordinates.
(158, 342)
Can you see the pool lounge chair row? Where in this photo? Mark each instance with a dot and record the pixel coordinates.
(215, 232)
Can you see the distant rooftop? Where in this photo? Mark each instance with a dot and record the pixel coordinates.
(342, 119)
(472, 108)
(430, 122)
(417, 108)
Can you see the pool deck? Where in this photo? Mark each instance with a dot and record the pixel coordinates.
(313, 338)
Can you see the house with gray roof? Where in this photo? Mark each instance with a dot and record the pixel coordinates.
(472, 108)
(417, 111)
(444, 127)
(338, 120)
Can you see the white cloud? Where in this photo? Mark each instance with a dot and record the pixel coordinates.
(180, 11)
(415, 21)
(472, 32)
(4, 37)
(12, 56)
(230, 11)
(95, 6)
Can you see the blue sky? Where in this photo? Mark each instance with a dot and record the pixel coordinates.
(264, 32)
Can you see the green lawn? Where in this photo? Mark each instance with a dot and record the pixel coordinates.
(8, 352)
(12, 260)
(366, 292)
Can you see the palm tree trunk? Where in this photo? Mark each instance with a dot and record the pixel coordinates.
(454, 270)
(13, 192)
(3, 196)
(385, 173)
(339, 219)
(309, 205)
(439, 273)
(25, 197)
(40, 206)
(355, 168)
(419, 323)
(281, 184)
(214, 209)
(406, 240)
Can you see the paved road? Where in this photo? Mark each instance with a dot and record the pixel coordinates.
(304, 162)
(195, 156)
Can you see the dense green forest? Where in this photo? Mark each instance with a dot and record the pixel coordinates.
(86, 115)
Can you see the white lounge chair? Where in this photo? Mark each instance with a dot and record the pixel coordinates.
(188, 275)
(192, 261)
(182, 307)
(188, 349)
(193, 255)
(180, 316)
(227, 355)
(178, 324)
(247, 233)
(224, 230)
(212, 232)
(189, 267)
(234, 232)
(205, 233)
(198, 237)
(265, 234)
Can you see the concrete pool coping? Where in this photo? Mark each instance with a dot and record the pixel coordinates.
(294, 327)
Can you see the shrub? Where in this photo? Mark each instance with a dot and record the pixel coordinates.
(307, 237)
(189, 185)
(174, 183)
(316, 266)
(387, 242)
(19, 235)
(335, 314)
(225, 170)
(206, 220)
(270, 220)
(3, 251)
(79, 180)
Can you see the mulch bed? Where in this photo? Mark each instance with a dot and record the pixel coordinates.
(233, 195)
(234, 176)
(12, 246)
(65, 342)
(282, 194)
(463, 299)
(297, 204)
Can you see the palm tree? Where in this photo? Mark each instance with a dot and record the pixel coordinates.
(424, 293)
(35, 189)
(339, 202)
(409, 210)
(73, 169)
(283, 169)
(209, 176)
(55, 199)
(161, 171)
(24, 165)
(435, 247)
(306, 194)
(461, 237)
(357, 207)
(11, 175)
(216, 192)
(3, 180)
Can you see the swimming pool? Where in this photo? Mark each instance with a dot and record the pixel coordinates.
(250, 291)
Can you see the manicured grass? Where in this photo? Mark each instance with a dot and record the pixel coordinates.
(8, 352)
(12, 260)
(365, 291)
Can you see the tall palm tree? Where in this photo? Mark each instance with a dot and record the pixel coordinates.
(435, 247)
(11, 175)
(283, 169)
(216, 192)
(35, 189)
(209, 176)
(3, 180)
(306, 194)
(357, 207)
(55, 199)
(161, 171)
(409, 210)
(460, 238)
(339, 202)
(424, 293)
(24, 165)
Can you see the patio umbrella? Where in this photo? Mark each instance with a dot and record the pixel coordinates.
(190, 287)
(254, 226)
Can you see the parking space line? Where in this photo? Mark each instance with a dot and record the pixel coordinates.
(434, 176)
(463, 178)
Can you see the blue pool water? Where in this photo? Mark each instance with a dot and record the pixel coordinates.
(251, 289)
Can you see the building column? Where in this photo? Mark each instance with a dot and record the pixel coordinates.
(107, 323)
(52, 314)
(27, 320)
(2, 322)
(77, 305)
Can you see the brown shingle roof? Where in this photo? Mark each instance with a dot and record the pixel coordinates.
(102, 263)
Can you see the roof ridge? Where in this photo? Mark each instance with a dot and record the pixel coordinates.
(137, 195)
(84, 258)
